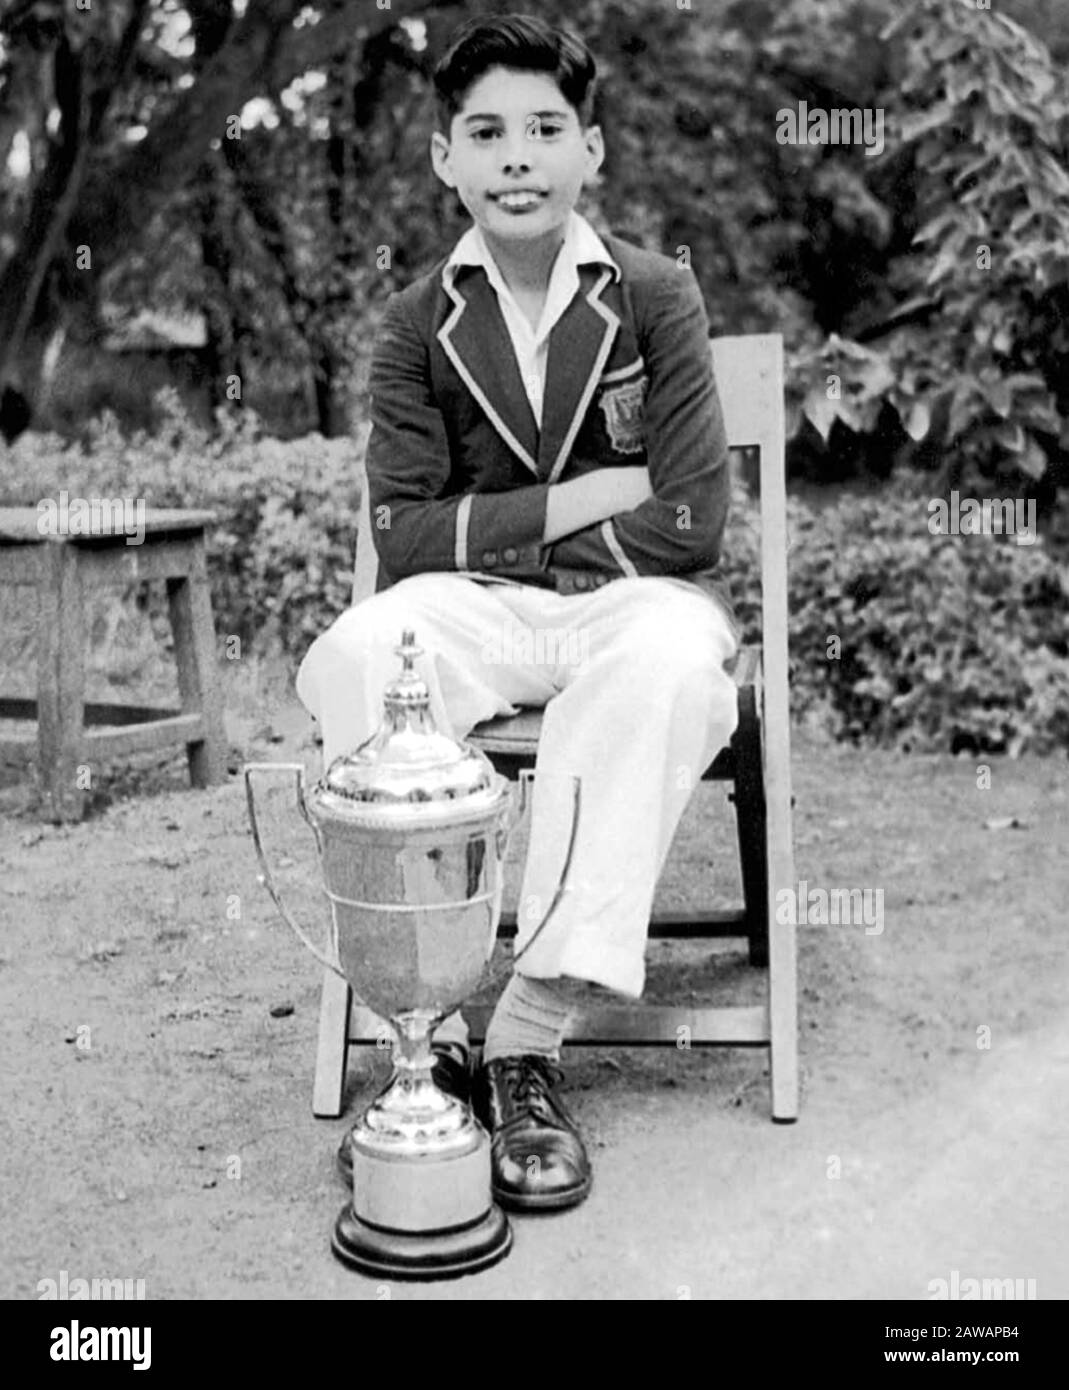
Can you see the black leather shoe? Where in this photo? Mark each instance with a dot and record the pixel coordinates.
(537, 1157)
(452, 1070)
(451, 1073)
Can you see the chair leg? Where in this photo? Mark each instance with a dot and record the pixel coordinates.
(783, 1020)
(189, 599)
(782, 942)
(333, 1049)
(60, 685)
(750, 817)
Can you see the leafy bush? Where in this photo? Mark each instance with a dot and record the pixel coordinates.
(945, 643)
(958, 643)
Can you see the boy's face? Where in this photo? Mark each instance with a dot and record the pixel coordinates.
(517, 155)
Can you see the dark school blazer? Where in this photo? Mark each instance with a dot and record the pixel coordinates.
(458, 469)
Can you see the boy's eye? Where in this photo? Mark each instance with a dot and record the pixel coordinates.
(536, 129)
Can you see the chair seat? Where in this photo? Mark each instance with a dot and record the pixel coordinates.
(517, 734)
(511, 741)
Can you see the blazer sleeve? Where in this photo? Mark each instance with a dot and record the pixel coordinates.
(679, 529)
(419, 520)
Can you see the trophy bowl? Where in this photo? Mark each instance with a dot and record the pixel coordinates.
(412, 829)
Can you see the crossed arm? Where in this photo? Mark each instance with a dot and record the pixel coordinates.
(592, 498)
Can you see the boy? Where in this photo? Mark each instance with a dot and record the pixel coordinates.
(547, 455)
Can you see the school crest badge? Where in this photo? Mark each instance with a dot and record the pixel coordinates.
(622, 408)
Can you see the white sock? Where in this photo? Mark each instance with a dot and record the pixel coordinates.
(531, 1016)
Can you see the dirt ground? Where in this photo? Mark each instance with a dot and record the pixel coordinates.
(158, 1027)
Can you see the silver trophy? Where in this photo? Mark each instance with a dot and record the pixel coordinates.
(412, 830)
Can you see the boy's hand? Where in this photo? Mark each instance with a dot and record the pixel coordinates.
(594, 497)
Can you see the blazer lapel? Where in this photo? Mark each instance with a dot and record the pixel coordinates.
(579, 347)
(476, 341)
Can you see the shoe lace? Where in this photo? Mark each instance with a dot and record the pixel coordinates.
(529, 1079)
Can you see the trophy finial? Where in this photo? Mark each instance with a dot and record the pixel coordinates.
(407, 699)
(408, 650)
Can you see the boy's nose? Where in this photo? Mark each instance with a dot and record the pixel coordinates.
(515, 155)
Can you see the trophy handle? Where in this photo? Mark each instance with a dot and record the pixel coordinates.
(266, 877)
(527, 776)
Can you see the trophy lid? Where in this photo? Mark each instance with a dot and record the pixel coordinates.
(409, 760)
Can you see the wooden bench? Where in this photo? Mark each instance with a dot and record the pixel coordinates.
(72, 734)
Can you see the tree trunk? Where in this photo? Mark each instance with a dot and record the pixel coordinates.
(52, 204)
(256, 196)
(221, 359)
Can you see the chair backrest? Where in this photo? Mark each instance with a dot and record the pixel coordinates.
(749, 378)
(366, 569)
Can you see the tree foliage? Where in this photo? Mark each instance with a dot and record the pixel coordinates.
(288, 234)
(117, 115)
(983, 118)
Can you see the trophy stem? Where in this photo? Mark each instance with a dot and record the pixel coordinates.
(412, 1052)
(412, 1111)
(413, 1059)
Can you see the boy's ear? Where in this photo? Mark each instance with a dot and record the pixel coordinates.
(440, 161)
(595, 151)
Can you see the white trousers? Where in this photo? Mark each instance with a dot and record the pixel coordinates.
(637, 705)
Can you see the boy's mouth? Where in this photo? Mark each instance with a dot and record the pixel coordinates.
(519, 199)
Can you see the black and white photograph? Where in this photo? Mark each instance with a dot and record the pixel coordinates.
(534, 664)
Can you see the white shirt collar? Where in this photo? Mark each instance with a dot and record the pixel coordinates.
(582, 246)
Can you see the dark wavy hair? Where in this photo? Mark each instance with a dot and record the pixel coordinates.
(522, 43)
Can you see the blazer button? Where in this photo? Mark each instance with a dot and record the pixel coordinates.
(601, 579)
(511, 556)
(582, 581)
(489, 558)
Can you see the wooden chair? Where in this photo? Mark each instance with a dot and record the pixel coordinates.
(749, 373)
